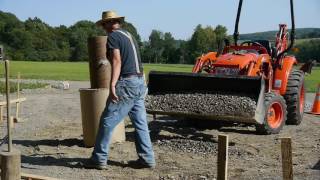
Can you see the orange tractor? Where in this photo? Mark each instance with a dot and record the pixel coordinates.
(251, 67)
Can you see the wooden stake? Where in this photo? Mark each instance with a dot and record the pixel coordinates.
(18, 96)
(17, 111)
(18, 85)
(1, 114)
(8, 105)
(286, 154)
(222, 157)
(11, 122)
(10, 165)
(4, 103)
(35, 177)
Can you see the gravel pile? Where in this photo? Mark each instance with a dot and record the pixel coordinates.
(198, 147)
(203, 103)
(188, 146)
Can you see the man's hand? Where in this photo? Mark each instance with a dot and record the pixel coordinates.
(113, 95)
(116, 68)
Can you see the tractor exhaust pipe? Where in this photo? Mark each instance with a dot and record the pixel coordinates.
(236, 30)
(292, 34)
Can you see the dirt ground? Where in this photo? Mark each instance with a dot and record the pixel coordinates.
(50, 140)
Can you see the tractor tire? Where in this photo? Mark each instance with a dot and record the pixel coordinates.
(295, 97)
(275, 114)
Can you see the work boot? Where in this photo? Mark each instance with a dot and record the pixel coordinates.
(140, 164)
(90, 164)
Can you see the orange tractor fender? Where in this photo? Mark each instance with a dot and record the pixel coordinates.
(207, 58)
(282, 74)
(255, 67)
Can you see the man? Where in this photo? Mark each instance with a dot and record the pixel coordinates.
(126, 97)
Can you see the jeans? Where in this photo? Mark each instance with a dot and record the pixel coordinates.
(131, 92)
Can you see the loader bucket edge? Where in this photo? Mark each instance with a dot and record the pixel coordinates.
(260, 111)
(250, 120)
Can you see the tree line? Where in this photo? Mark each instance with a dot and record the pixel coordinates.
(308, 50)
(34, 40)
(163, 48)
(300, 33)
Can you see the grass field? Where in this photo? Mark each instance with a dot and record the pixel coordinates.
(79, 71)
(313, 80)
(13, 86)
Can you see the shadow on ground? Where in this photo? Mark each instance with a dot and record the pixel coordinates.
(51, 142)
(176, 129)
(50, 160)
(190, 129)
(316, 166)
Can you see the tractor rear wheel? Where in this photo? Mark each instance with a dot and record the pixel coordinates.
(275, 114)
(295, 97)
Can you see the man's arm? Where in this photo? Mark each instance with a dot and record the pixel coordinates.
(116, 68)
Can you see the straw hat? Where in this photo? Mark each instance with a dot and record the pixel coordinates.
(109, 15)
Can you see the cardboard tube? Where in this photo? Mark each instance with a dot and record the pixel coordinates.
(100, 67)
(93, 102)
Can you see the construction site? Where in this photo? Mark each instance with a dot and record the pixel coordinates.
(242, 112)
(51, 144)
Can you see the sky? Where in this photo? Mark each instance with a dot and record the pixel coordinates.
(180, 17)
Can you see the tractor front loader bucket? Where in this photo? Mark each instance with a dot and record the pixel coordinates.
(206, 96)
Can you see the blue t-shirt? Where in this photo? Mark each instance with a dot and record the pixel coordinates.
(130, 55)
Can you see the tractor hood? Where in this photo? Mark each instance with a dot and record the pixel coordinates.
(235, 60)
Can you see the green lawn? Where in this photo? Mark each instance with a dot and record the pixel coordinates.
(313, 80)
(13, 86)
(49, 70)
(79, 71)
